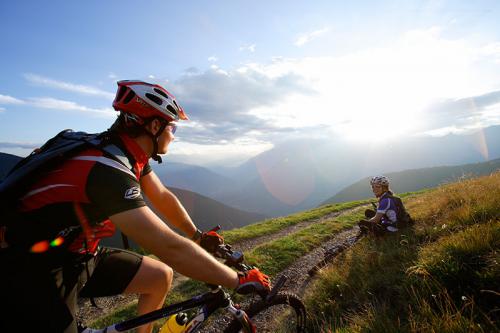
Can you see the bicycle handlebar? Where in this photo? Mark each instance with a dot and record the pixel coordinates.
(235, 259)
(232, 258)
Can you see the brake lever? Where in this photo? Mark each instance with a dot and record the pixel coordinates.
(216, 228)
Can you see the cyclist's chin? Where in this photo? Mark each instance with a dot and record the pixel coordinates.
(162, 149)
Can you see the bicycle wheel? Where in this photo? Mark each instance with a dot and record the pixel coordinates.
(262, 313)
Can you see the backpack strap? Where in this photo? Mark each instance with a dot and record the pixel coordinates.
(101, 142)
(118, 154)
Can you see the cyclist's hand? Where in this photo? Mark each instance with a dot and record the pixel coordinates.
(252, 281)
(210, 240)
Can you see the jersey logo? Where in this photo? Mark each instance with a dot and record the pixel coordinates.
(132, 193)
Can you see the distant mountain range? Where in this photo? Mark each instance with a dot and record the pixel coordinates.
(298, 175)
(302, 174)
(193, 178)
(414, 180)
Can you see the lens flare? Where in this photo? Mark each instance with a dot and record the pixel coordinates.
(40, 247)
(479, 140)
(56, 242)
(284, 177)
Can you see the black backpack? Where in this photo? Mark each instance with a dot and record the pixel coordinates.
(61, 147)
(404, 218)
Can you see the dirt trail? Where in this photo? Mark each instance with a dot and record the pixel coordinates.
(297, 273)
(298, 279)
(249, 244)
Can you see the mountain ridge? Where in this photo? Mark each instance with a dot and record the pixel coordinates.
(415, 179)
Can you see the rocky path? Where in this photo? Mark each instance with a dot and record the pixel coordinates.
(298, 278)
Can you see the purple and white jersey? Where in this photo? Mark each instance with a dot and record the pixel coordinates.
(387, 207)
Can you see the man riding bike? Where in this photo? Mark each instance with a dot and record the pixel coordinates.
(71, 207)
(389, 208)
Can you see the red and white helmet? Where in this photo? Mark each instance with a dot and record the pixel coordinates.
(379, 180)
(147, 100)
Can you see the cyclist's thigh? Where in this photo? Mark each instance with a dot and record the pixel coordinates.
(153, 276)
(114, 270)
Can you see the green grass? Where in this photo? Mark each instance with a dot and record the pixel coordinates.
(276, 224)
(440, 276)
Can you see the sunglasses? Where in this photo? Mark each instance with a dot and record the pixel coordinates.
(171, 127)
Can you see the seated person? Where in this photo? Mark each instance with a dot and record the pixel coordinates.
(390, 211)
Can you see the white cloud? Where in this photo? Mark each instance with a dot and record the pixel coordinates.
(248, 47)
(112, 76)
(22, 145)
(213, 59)
(5, 99)
(54, 104)
(307, 37)
(492, 50)
(389, 87)
(238, 150)
(58, 104)
(67, 86)
(220, 101)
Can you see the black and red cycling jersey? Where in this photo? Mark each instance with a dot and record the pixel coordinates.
(73, 202)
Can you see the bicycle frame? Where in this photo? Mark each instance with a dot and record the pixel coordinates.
(208, 303)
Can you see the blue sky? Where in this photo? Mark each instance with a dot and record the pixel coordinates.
(252, 74)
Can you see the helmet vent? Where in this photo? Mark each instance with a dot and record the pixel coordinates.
(171, 109)
(160, 92)
(154, 98)
(175, 103)
(129, 97)
(121, 92)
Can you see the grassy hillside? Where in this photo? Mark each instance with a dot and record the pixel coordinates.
(279, 223)
(414, 180)
(441, 276)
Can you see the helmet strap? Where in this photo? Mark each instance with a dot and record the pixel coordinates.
(154, 139)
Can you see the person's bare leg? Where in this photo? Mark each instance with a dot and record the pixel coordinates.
(152, 281)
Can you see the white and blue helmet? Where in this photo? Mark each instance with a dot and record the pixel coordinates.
(379, 180)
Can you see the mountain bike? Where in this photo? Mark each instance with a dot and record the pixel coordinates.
(205, 305)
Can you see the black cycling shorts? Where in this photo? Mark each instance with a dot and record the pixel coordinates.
(114, 269)
(34, 297)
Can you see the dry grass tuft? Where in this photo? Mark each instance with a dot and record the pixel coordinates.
(440, 276)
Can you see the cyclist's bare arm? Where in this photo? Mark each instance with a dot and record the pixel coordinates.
(377, 218)
(148, 230)
(167, 204)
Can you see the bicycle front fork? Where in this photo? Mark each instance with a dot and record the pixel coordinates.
(246, 323)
